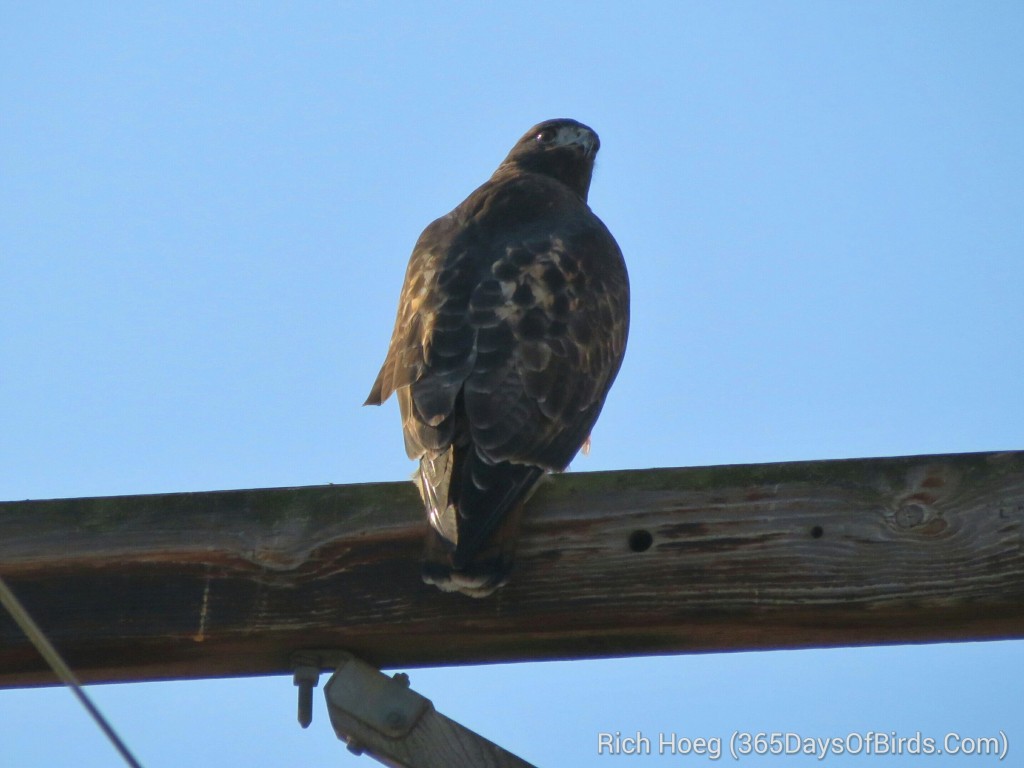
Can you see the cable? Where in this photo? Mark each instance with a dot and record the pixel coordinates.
(53, 658)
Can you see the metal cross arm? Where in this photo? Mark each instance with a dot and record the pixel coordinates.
(384, 718)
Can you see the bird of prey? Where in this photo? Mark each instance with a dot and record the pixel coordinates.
(511, 327)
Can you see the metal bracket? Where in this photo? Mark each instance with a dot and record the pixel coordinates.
(359, 690)
(385, 704)
(384, 718)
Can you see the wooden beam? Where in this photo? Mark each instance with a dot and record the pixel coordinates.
(795, 555)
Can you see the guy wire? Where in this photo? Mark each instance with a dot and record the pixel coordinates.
(53, 658)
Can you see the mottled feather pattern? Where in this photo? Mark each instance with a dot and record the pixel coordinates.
(511, 327)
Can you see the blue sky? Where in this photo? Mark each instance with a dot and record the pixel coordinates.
(205, 215)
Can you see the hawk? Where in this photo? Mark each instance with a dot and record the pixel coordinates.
(511, 327)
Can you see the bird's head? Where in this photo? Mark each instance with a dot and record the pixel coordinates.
(563, 149)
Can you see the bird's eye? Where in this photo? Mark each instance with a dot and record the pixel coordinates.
(546, 136)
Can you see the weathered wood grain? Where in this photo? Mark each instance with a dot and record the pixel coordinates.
(808, 554)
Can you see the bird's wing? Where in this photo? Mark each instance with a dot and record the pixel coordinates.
(432, 345)
(551, 326)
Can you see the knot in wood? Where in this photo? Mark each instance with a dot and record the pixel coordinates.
(910, 515)
(922, 517)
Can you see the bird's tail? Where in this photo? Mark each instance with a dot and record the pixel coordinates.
(475, 508)
(478, 576)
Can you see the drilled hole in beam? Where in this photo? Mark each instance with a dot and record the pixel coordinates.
(640, 541)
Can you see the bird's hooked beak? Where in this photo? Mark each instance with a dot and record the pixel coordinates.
(578, 137)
